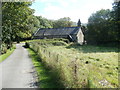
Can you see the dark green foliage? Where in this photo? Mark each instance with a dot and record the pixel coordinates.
(58, 43)
(103, 26)
(116, 19)
(62, 39)
(18, 21)
(99, 27)
(26, 45)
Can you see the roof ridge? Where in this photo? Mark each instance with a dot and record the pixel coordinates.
(58, 28)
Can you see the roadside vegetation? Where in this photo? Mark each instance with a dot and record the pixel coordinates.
(77, 66)
(45, 78)
(6, 52)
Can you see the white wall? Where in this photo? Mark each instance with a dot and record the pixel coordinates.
(80, 37)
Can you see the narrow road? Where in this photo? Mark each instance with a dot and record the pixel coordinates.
(17, 70)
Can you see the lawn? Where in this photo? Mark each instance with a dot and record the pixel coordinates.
(80, 66)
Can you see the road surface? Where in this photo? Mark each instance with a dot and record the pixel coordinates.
(17, 71)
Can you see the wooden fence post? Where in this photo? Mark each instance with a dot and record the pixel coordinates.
(49, 54)
(57, 57)
(75, 72)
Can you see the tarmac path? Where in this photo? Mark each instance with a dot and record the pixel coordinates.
(17, 71)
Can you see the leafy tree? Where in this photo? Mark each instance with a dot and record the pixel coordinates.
(103, 26)
(44, 23)
(16, 21)
(99, 27)
(62, 22)
(116, 19)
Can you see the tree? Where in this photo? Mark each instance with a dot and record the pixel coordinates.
(62, 22)
(99, 27)
(44, 23)
(116, 19)
(15, 21)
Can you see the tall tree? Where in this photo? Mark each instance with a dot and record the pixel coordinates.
(99, 27)
(116, 19)
(15, 17)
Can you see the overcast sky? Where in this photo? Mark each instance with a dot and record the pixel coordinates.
(75, 9)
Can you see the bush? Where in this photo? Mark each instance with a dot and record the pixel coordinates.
(26, 45)
(62, 39)
(59, 43)
(3, 48)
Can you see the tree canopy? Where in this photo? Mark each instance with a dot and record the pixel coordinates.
(16, 17)
(62, 22)
(103, 26)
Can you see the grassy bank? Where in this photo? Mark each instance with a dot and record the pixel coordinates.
(79, 66)
(7, 54)
(45, 77)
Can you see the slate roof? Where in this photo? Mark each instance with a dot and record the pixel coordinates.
(57, 31)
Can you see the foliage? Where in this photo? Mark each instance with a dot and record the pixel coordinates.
(44, 23)
(116, 18)
(79, 66)
(103, 26)
(6, 53)
(16, 21)
(62, 22)
(3, 48)
(99, 27)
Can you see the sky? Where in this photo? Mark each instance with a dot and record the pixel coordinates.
(75, 9)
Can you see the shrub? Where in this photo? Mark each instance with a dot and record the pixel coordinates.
(59, 43)
(26, 45)
(3, 48)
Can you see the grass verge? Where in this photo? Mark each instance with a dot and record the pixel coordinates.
(45, 77)
(9, 52)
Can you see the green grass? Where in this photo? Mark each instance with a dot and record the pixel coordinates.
(102, 62)
(7, 54)
(45, 77)
(95, 65)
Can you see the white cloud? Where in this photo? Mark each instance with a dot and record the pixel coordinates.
(75, 9)
(53, 12)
